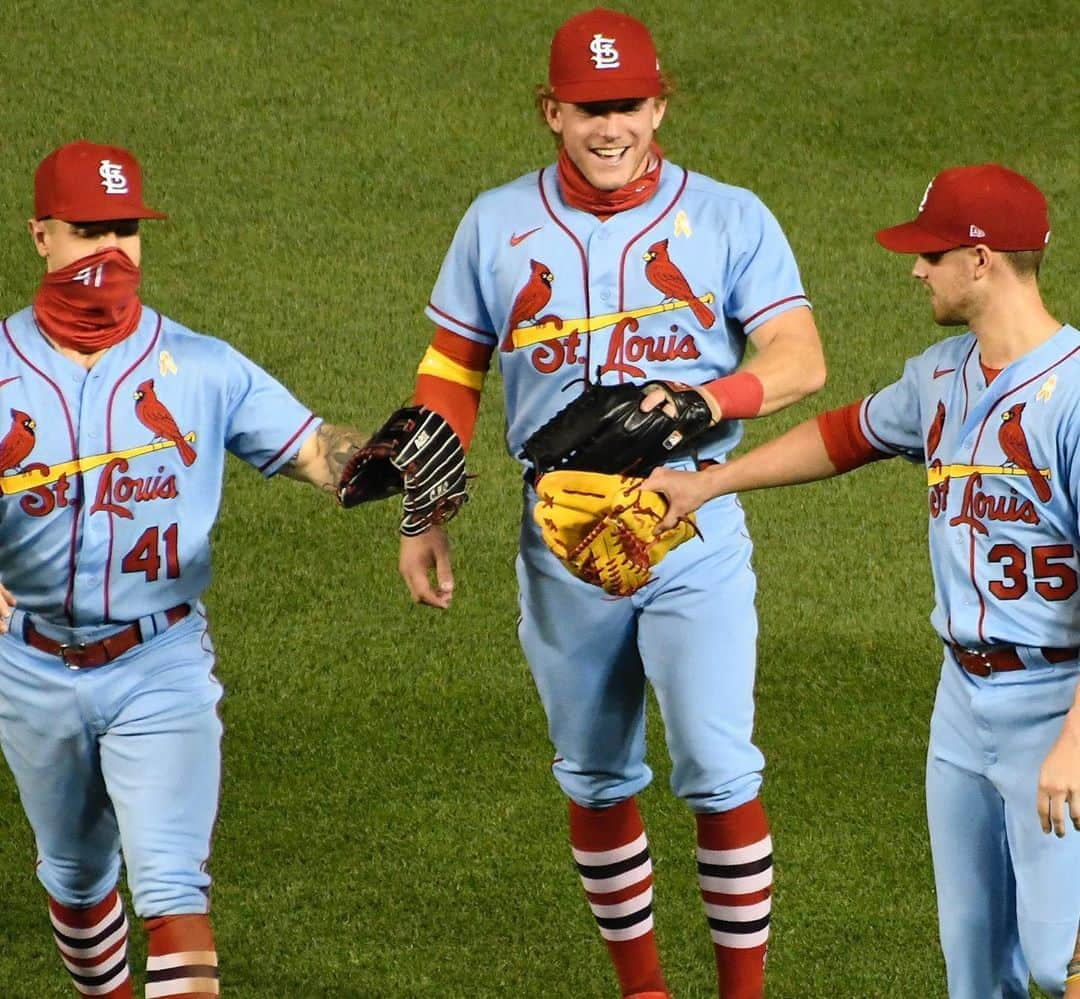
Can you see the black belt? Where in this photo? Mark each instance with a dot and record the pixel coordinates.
(90, 655)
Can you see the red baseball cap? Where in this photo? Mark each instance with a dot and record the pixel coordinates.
(87, 182)
(603, 55)
(969, 205)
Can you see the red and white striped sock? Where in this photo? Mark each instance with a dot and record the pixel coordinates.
(735, 872)
(612, 856)
(93, 946)
(181, 960)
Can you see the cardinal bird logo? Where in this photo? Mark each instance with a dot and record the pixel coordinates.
(1014, 443)
(18, 442)
(153, 415)
(663, 275)
(530, 300)
(933, 435)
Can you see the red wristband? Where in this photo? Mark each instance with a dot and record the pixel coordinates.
(739, 395)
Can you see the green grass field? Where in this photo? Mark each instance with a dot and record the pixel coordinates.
(388, 826)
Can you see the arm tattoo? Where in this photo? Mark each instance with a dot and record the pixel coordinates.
(335, 446)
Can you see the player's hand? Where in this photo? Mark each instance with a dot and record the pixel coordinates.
(1059, 780)
(424, 564)
(684, 491)
(7, 605)
(658, 397)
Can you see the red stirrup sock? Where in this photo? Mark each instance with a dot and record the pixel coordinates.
(93, 946)
(612, 858)
(735, 872)
(181, 962)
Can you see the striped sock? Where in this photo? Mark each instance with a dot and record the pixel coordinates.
(735, 873)
(612, 858)
(93, 946)
(181, 961)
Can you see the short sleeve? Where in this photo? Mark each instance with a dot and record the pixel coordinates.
(764, 279)
(457, 300)
(891, 418)
(265, 424)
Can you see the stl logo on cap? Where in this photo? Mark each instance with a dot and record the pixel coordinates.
(112, 177)
(926, 195)
(604, 53)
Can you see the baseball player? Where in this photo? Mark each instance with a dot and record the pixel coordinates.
(615, 264)
(110, 479)
(994, 415)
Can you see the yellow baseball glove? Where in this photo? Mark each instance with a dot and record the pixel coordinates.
(601, 528)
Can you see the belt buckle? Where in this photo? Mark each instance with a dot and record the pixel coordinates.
(63, 654)
(983, 656)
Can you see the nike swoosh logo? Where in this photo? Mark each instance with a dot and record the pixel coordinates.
(938, 372)
(515, 239)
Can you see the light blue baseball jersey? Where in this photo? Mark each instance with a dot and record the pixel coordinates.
(668, 290)
(1003, 480)
(567, 297)
(110, 479)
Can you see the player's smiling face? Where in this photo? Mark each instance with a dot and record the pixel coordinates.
(607, 141)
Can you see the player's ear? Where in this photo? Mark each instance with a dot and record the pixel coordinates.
(552, 114)
(659, 110)
(982, 257)
(38, 235)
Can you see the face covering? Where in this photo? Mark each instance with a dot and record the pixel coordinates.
(92, 303)
(579, 193)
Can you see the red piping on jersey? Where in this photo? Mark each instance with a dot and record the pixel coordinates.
(887, 446)
(584, 263)
(655, 222)
(779, 301)
(77, 505)
(458, 322)
(964, 381)
(285, 447)
(948, 628)
(978, 439)
(109, 446)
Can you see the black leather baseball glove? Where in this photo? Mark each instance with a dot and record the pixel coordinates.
(605, 430)
(415, 452)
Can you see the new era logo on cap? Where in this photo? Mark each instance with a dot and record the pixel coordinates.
(88, 182)
(603, 55)
(965, 206)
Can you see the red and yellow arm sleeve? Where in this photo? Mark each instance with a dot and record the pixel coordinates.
(449, 379)
(845, 442)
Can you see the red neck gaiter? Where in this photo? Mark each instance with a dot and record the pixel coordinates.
(579, 193)
(92, 303)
